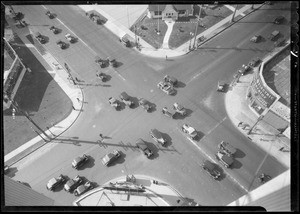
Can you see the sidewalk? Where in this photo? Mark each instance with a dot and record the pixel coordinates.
(264, 137)
(61, 77)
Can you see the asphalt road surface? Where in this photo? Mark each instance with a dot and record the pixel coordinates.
(179, 163)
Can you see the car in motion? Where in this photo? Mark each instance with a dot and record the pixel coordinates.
(83, 188)
(211, 169)
(80, 161)
(226, 148)
(126, 99)
(179, 109)
(61, 44)
(157, 137)
(166, 87)
(190, 131)
(55, 182)
(255, 38)
(73, 183)
(144, 148)
(145, 104)
(110, 157)
(171, 80)
(54, 29)
(70, 38)
(224, 159)
(254, 62)
(40, 38)
(114, 102)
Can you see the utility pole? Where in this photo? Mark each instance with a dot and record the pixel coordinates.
(258, 119)
(232, 19)
(158, 20)
(197, 25)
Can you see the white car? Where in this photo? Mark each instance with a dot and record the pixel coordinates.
(179, 108)
(166, 87)
(70, 38)
(114, 102)
(110, 157)
(189, 130)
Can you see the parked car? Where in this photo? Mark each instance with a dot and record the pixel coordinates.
(278, 20)
(55, 182)
(49, 14)
(83, 188)
(192, 133)
(171, 80)
(70, 38)
(166, 87)
(144, 148)
(114, 102)
(255, 61)
(125, 41)
(110, 157)
(126, 99)
(221, 86)
(101, 62)
(227, 148)
(40, 38)
(157, 137)
(112, 62)
(73, 183)
(55, 30)
(145, 104)
(179, 108)
(224, 159)
(61, 44)
(279, 42)
(244, 69)
(102, 76)
(273, 36)
(6, 169)
(167, 113)
(211, 169)
(80, 161)
(255, 38)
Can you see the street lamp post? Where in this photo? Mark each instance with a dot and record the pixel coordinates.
(158, 20)
(232, 19)
(197, 25)
(191, 34)
(258, 119)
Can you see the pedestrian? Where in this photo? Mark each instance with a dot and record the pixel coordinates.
(101, 136)
(78, 99)
(178, 201)
(73, 108)
(166, 57)
(240, 123)
(77, 79)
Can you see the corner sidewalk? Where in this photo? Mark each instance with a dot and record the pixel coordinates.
(61, 77)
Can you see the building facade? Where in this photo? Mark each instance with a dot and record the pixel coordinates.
(170, 12)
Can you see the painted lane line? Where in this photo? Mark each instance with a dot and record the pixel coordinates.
(216, 125)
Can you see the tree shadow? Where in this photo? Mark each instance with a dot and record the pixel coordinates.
(135, 101)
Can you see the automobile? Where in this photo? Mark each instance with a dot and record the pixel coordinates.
(274, 35)
(192, 133)
(114, 102)
(126, 99)
(211, 169)
(80, 161)
(110, 157)
(73, 183)
(49, 14)
(125, 41)
(102, 76)
(83, 188)
(179, 108)
(40, 38)
(61, 44)
(221, 86)
(144, 148)
(255, 38)
(18, 16)
(6, 169)
(224, 159)
(167, 113)
(255, 61)
(166, 87)
(227, 148)
(112, 62)
(171, 80)
(244, 69)
(279, 42)
(278, 20)
(54, 29)
(70, 38)
(145, 104)
(100, 61)
(157, 137)
(55, 182)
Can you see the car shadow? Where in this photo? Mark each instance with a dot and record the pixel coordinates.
(179, 116)
(236, 164)
(168, 139)
(239, 154)
(180, 84)
(220, 169)
(200, 135)
(135, 101)
(153, 107)
(61, 186)
(153, 148)
(122, 106)
(120, 160)
(25, 183)
(89, 164)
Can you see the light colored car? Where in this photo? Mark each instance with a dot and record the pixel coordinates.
(211, 169)
(255, 38)
(224, 159)
(70, 38)
(80, 161)
(113, 102)
(157, 136)
(227, 148)
(110, 157)
(192, 133)
(179, 108)
(55, 182)
(244, 69)
(166, 87)
(73, 183)
(83, 188)
(144, 148)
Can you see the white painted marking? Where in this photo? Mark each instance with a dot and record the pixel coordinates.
(216, 125)
(94, 126)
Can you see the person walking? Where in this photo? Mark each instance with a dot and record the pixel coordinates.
(166, 57)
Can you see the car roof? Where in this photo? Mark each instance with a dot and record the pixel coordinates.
(227, 159)
(141, 143)
(81, 188)
(228, 147)
(70, 182)
(52, 181)
(209, 164)
(156, 133)
(124, 94)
